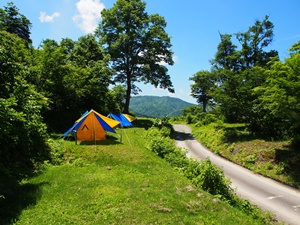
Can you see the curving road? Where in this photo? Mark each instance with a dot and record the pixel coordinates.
(266, 193)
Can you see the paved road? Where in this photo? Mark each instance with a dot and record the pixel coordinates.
(266, 193)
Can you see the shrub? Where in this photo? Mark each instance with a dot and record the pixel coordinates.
(161, 146)
(188, 119)
(213, 180)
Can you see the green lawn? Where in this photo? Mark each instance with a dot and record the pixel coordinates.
(114, 182)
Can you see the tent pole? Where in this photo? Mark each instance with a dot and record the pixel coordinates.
(121, 135)
(75, 137)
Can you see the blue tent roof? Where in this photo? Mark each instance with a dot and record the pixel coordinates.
(73, 128)
(124, 122)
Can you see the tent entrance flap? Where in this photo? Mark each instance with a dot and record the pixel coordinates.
(90, 130)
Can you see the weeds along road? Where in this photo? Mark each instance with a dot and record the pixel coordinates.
(266, 193)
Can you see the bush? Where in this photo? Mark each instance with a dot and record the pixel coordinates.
(213, 180)
(161, 146)
(203, 174)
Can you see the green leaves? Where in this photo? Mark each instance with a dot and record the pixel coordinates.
(204, 82)
(14, 22)
(75, 77)
(138, 45)
(22, 132)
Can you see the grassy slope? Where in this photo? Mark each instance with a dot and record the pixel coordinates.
(273, 159)
(117, 183)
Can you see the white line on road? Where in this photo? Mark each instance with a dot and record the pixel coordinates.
(277, 196)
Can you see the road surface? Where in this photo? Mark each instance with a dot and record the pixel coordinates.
(266, 193)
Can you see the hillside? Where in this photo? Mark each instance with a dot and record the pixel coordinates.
(115, 182)
(157, 107)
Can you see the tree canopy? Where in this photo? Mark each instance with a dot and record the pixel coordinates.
(14, 22)
(251, 85)
(22, 131)
(204, 82)
(138, 45)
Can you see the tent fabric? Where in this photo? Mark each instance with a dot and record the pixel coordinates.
(71, 130)
(111, 122)
(92, 126)
(129, 117)
(118, 117)
(124, 122)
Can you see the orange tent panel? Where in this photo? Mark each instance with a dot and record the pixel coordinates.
(91, 130)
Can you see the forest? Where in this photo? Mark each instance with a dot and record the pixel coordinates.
(248, 83)
(45, 89)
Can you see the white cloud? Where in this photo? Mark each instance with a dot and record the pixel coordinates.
(181, 91)
(88, 14)
(175, 59)
(44, 18)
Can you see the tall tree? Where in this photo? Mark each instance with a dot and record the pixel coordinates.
(14, 22)
(204, 81)
(227, 56)
(254, 41)
(236, 69)
(138, 45)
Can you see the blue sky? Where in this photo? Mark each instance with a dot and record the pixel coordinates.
(192, 24)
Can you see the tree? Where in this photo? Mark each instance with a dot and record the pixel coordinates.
(75, 77)
(14, 22)
(279, 98)
(204, 81)
(237, 70)
(254, 41)
(119, 93)
(138, 45)
(295, 48)
(23, 137)
(227, 56)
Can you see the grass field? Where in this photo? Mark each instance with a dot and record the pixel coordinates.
(114, 182)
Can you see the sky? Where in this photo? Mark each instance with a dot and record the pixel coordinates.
(193, 25)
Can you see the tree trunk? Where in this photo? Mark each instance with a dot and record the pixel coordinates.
(128, 93)
(204, 103)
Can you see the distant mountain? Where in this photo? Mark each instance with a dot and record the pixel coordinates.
(157, 107)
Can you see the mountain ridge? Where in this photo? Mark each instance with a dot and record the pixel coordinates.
(157, 106)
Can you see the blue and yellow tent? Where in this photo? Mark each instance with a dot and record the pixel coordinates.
(129, 117)
(92, 126)
(124, 121)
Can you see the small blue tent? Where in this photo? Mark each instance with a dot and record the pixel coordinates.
(124, 122)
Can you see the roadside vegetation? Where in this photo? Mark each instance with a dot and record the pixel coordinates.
(277, 159)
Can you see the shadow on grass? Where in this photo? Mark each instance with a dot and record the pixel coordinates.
(108, 141)
(144, 123)
(241, 133)
(289, 157)
(17, 198)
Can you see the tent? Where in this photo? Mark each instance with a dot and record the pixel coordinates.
(129, 117)
(92, 126)
(124, 122)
